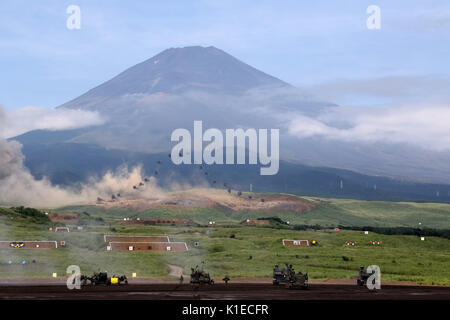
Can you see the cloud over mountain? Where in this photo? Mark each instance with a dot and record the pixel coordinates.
(402, 137)
(422, 126)
(18, 121)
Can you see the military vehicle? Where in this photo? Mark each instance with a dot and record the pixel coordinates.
(102, 278)
(199, 276)
(280, 275)
(297, 280)
(363, 276)
(288, 276)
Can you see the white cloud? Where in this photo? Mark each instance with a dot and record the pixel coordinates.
(21, 120)
(424, 126)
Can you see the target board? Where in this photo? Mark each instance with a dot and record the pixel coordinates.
(111, 238)
(149, 246)
(34, 245)
(295, 243)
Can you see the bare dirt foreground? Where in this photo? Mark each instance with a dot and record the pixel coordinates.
(234, 291)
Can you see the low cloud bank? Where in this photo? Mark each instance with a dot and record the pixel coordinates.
(21, 120)
(423, 126)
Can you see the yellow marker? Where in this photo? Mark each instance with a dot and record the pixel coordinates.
(114, 280)
(134, 275)
(54, 275)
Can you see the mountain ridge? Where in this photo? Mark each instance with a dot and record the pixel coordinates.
(205, 83)
(177, 70)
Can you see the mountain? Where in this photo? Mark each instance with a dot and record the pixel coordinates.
(176, 71)
(171, 90)
(145, 103)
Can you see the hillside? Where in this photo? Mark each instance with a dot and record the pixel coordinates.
(203, 205)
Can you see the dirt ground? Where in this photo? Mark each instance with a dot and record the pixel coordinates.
(176, 271)
(233, 291)
(211, 198)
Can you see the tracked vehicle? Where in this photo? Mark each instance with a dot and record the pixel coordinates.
(289, 277)
(280, 275)
(363, 276)
(199, 276)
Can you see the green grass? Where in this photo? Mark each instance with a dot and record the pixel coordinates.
(401, 258)
(328, 212)
(381, 213)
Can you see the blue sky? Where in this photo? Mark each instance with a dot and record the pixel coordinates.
(313, 45)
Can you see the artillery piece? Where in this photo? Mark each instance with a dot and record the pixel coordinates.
(363, 276)
(199, 276)
(288, 276)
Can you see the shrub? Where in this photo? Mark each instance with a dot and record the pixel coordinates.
(345, 258)
(217, 248)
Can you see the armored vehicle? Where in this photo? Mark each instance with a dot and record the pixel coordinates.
(288, 276)
(280, 275)
(297, 280)
(363, 276)
(199, 276)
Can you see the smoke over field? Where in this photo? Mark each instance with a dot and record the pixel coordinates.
(19, 187)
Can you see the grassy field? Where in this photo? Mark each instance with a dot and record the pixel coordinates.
(242, 251)
(238, 251)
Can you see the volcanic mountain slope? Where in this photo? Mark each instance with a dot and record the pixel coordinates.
(145, 103)
(175, 71)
